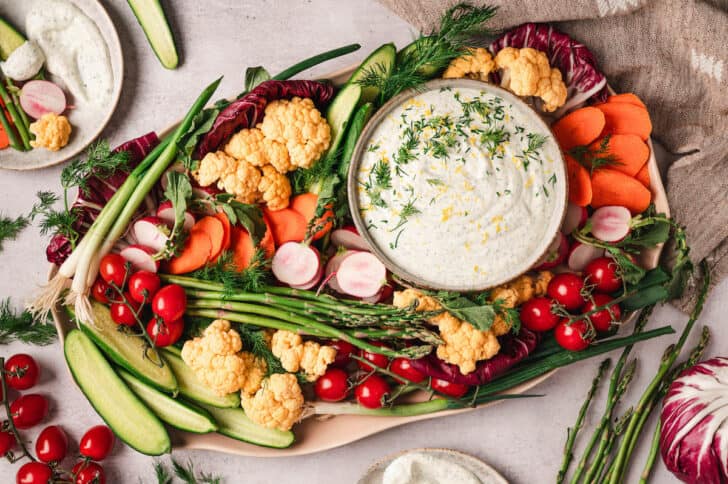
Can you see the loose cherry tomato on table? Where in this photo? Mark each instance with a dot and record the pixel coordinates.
(34, 473)
(21, 371)
(566, 289)
(332, 386)
(448, 388)
(51, 444)
(101, 291)
(143, 285)
(602, 320)
(574, 336)
(86, 472)
(165, 334)
(377, 359)
(97, 442)
(114, 269)
(29, 410)
(602, 273)
(124, 313)
(403, 367)
(344, 350)
(371, 392)
(170, 302)
(7, 441)
(536, 314)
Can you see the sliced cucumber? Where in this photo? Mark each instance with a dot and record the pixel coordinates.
(190, 386)
(427, 70)
(127, 416)
(361, 116)
(172, 411)
(380, 61)
(150, 15)
(233, 423)
(340, 112)
(10, 39)
(127, 351)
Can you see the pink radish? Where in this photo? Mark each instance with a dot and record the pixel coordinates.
(382, 295)
(151, 232)
(313, 282)
(40, 97)
(348, 237)
(141, 258)
(575, 218)
(611, 223)
(203, 198)
(296, 264)
(332, 267)
(165, 211)
(361, 275)
(555, 255)
(582, 254)
(176, 167)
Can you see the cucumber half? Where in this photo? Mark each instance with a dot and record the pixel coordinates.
(190, 386)
(120, 408)
(233, 423)
(427, 70)
(340, 112)
(10, 39)
(380, 61)
(151, 17)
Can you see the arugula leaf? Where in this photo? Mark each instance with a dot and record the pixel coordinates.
(179, 191)
(201, 124)
(249, 216)
(655, 231)
(481, 316)
(630, 272)
(254, 76)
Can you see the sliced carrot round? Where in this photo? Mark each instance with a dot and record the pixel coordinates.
(580, 186)
(579, 127)
(630, 153)
(627, 98)
(194, 255)
(624, 118)
(306, 204)
(643, 176)
(287, 225)
(213, 227)
(226, 227)
(612, 187)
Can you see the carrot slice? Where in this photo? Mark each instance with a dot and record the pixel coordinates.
(306, 204)
(242, 246)
(267, 243)
(627, 98)
(624, 118)
(629, 151)
(643, 176)
(612, 187)
(580, 186)
(214, 229)
(226, 228)
(287, 225)
(194, 255)
(4, 140)
(579, 127)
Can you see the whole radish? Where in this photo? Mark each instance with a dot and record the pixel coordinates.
(611, 223)
(295, 264)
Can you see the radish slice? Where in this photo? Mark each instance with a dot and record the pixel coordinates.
(382, 295)
(313, 282)
(332, 267)
(611, 223)
(151, 232)
(176, 167)
(296, 264)
(575, 218)
(40, 97)
(141, 258)
(165, 211)
(348, 237)
(361, 275)
(555, 255)
(582, 254)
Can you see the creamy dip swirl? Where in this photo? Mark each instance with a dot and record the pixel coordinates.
(422, 468)
(461, 187)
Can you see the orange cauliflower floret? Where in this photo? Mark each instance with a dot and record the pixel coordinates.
(257, 369)
(295, 354)
(515, 293)
(278, 404)
(247, 145)
(476, 64)
(275, 188)
(243, 182)
(526, 72)
(214, 166)
(278, 156)
(51, 132)
(300, 127)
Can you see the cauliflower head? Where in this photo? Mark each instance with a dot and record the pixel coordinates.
(526, 72)
(476, 64)
(295, 354)
(242, 182)
(52, 132)
(247, 145)
(214, 166)
(275, 188)
(278, 404)
(300, 127)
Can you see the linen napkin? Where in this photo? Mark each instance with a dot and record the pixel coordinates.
(674, 55)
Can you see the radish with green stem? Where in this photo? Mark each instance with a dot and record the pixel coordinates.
(296, 264)
(361, 275)
(151, 232)
(611, 224)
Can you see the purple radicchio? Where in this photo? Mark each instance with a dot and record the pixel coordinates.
(584, 81)
(513, 350)
(249, 110)
(91, 201)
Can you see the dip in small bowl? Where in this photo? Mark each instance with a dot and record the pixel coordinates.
(458, 186)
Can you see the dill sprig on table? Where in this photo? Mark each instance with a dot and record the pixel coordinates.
(10, 228)
(184, 472)
(23, 327)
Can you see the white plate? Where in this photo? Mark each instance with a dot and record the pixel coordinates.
(87, 121)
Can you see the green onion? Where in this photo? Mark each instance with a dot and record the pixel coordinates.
(315, 60)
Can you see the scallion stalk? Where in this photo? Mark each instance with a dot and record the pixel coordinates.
(315, 60)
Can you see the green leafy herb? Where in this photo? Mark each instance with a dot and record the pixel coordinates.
(435, 182)
(254, 341)
(100, 161)
(179, 192)
(184, 472)
(406, 212)
(255, 76)
(249, 216)
(11, 227)
(201, 124)
(23, 327)
(223, 271)
(494, 138)
(593, 159)
(530, 154)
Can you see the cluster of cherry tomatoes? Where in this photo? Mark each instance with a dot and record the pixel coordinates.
(371, 389)
(21, 372)
(577, 295)
(130, 293)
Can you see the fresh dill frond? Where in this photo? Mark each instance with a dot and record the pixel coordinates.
(251, 279)
(186, 473)
(382, 174)
(62, 222)
(493, 138)
(407, 210)
(100, 162)
(10, 228)
(161, 473)
(23, 327)
(593, 159)
(254, 340)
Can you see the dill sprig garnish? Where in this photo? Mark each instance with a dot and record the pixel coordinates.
(493, 138)
(535, 143)
(60, 222)
(10, 228)
(100, 162)
(184, 472)
(407, 210)
(23, 327)
(593, 159)
(254, 340)
(223, 271)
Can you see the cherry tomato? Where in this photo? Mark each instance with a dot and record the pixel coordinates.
(34, 473)
(29, 410)
(101, 291)
(566, 289)
(536, 314)
(602, 273)
(377, 359)
(114, 269)
(403, 367)
(143, 285)
(371, 392)
(51, 444)
(344, 350)
(165, 334)
(602, 320)
(97, 442)
(170, 303)
(332, 386)
(124, 313)
(21, 371)
(451, 389)
(574, 336)
(7, 441)
(86, 472)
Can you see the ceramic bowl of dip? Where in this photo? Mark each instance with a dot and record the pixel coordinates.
(457, 186)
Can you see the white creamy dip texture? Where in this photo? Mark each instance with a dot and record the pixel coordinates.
(458, 186)
(74, 48)
(421, 468)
